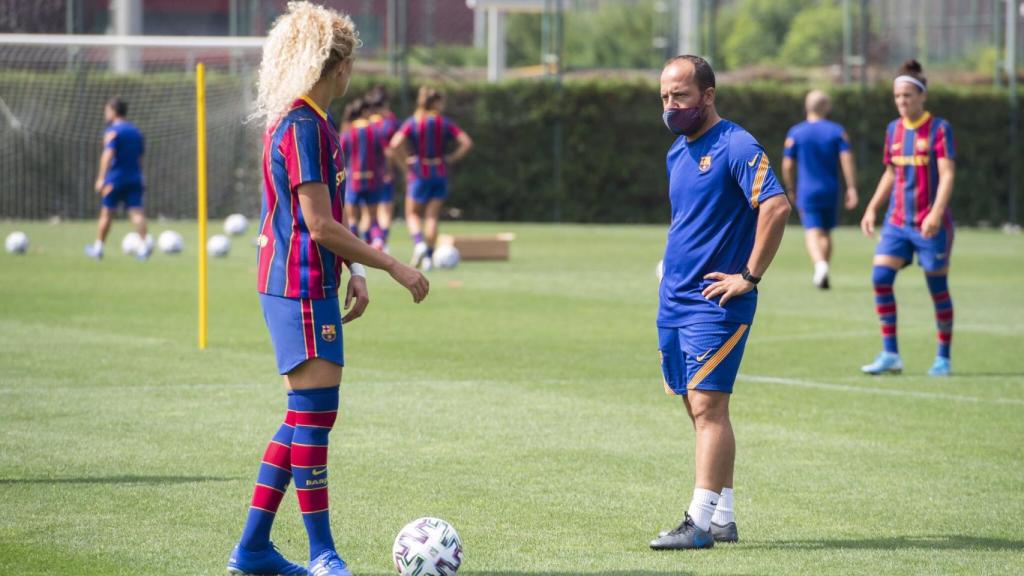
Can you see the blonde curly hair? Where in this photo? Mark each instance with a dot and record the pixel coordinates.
(305, 44)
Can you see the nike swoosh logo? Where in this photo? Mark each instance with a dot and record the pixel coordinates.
(703, 356)
(753, 160)
(319, 472)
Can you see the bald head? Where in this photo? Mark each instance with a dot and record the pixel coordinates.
(817, 103)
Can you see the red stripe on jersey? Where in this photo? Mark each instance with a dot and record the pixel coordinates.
(308, 336)
(293, 262)
(306, 456)
(266, 498)
(922, 179)
(421, 125)
(898, 208)
(278, 455)
(267, 242)
(316, 419)
(439, 145)
(315, 500)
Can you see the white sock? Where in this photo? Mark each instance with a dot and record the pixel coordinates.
(702, 507)
(98, 245)
(821, 267)
(723, 512)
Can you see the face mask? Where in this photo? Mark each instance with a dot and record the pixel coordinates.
(684, 121)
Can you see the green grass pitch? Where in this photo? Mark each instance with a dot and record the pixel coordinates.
(522, 402)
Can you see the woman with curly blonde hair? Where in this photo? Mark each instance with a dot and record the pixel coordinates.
(303, 242)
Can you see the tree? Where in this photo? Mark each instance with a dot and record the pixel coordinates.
(815, 36)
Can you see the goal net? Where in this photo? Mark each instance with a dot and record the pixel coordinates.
(52, 93)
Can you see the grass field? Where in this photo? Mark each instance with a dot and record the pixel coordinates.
(522, 402)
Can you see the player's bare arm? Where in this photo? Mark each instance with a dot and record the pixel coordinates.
(314, 201)
(933, 222)
(789, 178)
(771, 224)
(106, 158)
(881, 196)
(850, 175)
(463, 145)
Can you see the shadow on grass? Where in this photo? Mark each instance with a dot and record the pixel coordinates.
(936, 542)
(583, 573)
(124, 479)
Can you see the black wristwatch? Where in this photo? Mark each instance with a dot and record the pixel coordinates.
(750, 277)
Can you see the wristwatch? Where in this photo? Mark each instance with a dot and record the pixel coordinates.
(750, 277)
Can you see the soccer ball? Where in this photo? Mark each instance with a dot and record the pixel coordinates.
(659, 270)
(132, 243)
(236, 224)
(218, 246)
(446, 256)
(427, 547)
(170, 242)
(16, 243)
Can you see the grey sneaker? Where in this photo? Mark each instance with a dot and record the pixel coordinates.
(721, 532)
(686, 536)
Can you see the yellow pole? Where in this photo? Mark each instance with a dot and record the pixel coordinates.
(201, 191)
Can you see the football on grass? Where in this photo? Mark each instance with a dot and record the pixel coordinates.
(427, 547)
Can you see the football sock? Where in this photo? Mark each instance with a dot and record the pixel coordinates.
(430, 251)
(939, 287)
(820, 268)
(354, 229)
(723, 511)
(417, 238)
(702, 507)
(885, 304)
(367, 235)
(98, 245)
(375, 233)
(384, 234)
(315, 412)
(271, 483)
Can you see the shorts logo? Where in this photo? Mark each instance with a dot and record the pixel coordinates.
(705, 163)
(704, 355)
(328, 332)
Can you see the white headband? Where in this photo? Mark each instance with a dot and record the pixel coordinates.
(912, 80)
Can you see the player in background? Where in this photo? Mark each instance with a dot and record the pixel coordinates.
(360, 145)
(728, 217)
(814, 151)
(119, 180)
(919, 171)
(428, 133)
(303, 243)
(383, 119)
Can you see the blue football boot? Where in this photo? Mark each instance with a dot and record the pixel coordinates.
(244, 562)
(328, 563)
(885, 363)
(687, 536)
(940, 367)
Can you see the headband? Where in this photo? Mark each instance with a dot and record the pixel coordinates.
(904, 78)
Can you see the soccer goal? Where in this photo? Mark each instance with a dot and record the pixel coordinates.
(52, 92)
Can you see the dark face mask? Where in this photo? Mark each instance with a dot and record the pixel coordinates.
(684, 121)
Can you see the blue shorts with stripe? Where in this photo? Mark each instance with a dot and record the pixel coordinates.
(128, 194)
(932, 253)
(425, 190)
(704, 356)
(301, 328)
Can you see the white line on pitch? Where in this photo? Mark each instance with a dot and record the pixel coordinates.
(880, 391)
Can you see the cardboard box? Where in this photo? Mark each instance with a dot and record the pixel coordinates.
(480, 246)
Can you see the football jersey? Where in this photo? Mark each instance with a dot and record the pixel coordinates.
(716, 184)
(128, 145)
(816, 147)
(913, 150)
(427, 136)
(301, 147)
(361, 146)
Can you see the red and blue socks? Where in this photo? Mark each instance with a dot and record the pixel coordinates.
(315, 411)
(271, 483)
(885, 304)
(939, 288)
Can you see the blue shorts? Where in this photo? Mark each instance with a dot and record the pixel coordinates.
(423, 191)
(932, 253)
(301, 329)
(128, 194)
(386, 193)
(824, 218)
(703, 356)
(367, 197)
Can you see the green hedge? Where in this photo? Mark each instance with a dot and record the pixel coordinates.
(614, 145)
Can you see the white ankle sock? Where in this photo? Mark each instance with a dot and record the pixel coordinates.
(97, 245)
(702, 507)
(723, 512)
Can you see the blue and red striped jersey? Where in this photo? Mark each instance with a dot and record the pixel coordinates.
(361, 146)
(386, 126)
(428, 134)
(913, 150)
(301, 147)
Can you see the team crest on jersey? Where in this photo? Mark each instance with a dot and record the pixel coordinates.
(262, 240)
(921, 144)
(328, 332)
(705, 163)
(896, 146)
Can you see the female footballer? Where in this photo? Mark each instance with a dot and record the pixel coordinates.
(919, 169)
(427, 133)
(379, 107)
(303, 241)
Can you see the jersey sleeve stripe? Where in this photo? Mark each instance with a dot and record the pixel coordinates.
(759, 178)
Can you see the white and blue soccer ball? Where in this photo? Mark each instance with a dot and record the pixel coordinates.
(218, 246)
(446, 256)
(16, 242)
(170, 242)
(236, 224)
(132, 244)
(427, 547)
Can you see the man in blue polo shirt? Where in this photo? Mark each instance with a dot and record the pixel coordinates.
(814, 151)
(119, 180)
(728, 217)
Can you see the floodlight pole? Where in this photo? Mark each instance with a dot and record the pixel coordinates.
(495, 44)
(1010, 63)
(847, 40)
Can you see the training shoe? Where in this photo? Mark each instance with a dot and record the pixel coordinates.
(721, 532)
(270, 561)
(328, 563)
(940, 367)
(885, 363)
(419, 252)
(92, 252)
(686, 536)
